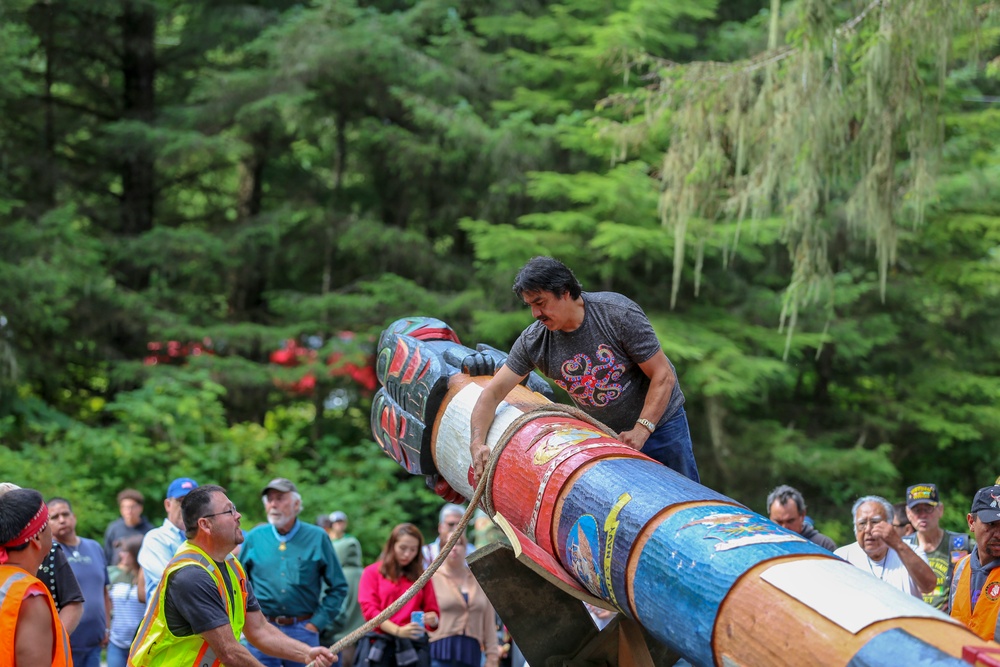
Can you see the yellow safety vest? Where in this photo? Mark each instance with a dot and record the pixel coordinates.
(14, 583)
(156, 646)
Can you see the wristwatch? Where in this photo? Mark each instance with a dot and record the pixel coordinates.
(650, 426)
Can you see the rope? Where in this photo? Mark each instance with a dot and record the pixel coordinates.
(422, 580)
(485, 482)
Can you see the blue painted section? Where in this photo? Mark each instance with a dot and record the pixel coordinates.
(898, 647)
(692, 561)
(603, 515)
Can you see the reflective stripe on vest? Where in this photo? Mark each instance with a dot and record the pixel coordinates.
(984, 619)
(156, 646)
(14, 583)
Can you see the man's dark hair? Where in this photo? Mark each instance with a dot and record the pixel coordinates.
(65, 502)
(900, 510)
(195, 505)
(544, 274)
(783, 494)
(17, 508)
(131, 494)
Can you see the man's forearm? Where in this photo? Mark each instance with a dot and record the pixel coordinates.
(70, 616)
(272, 641)
(661, 385)
(329, 606)
(921, 573)
(483, 414)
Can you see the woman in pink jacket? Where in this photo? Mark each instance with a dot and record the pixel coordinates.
(382, 583)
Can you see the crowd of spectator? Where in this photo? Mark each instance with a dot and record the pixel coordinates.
(279, 593)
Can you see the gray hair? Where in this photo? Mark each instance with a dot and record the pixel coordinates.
(783, 494)
(886, 505)
(450, 508)
(7, 486)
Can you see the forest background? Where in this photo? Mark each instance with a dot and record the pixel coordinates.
(208, 211)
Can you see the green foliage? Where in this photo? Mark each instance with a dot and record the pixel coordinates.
(289, 171)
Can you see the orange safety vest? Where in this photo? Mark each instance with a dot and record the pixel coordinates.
(14, 584)
(983, 619)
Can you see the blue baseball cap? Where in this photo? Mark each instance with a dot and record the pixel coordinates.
(180, 487)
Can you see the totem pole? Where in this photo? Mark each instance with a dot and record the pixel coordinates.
(698, 571)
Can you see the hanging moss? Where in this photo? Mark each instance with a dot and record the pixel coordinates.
(837, 128)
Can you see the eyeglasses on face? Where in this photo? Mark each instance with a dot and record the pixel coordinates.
(231, 511)
(901, 525)
(874, 521)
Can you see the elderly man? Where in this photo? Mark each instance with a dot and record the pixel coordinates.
(294, 570)
(86, 558)
(975, 588)
(448, 518)
(943, 548)
(34, 636)
(160, 544)
(787, 508)
(204, 601)
(601, 349)
(881, 552)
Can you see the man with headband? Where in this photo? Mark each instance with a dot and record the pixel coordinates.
(34, 635)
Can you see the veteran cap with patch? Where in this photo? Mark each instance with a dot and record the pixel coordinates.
(922, 494)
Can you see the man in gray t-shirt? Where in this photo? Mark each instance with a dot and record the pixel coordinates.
(601, 349)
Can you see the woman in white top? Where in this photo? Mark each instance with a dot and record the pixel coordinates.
(126, 610)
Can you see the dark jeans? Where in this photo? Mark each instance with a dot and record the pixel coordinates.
(671, 445)
(295, 631)
(88, 657)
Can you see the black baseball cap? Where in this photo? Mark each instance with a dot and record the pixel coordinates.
(986, 504)
(925, 494)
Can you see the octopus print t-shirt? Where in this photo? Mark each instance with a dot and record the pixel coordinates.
(598, 363)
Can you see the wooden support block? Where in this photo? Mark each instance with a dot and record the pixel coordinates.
(545, 621)
(551, 626)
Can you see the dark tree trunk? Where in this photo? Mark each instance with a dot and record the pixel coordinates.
(48, 165)
(138, 22)
(249, 280)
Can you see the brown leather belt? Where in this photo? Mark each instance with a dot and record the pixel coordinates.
(288, 620)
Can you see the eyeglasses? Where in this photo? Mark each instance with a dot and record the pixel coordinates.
(231, 511)
(901, 525)
(874, 521)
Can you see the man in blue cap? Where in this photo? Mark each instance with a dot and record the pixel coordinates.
(160, 544)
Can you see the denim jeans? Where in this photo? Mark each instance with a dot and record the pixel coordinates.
(90, 657)
(295, 631)
(670, 444)
(117, 656)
